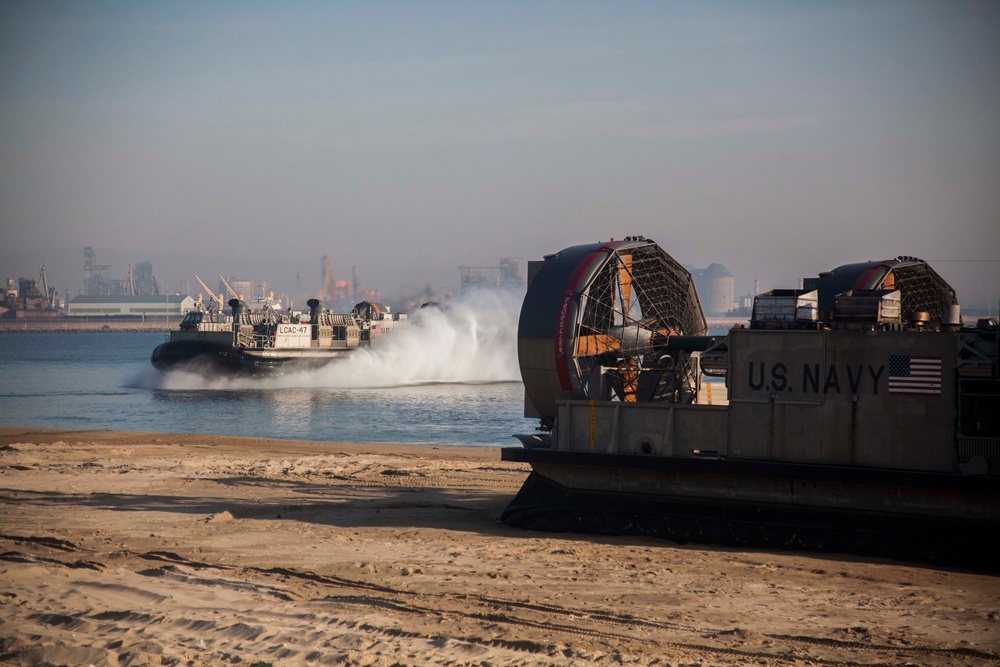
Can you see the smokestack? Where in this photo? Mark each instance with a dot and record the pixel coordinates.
(316, 308)
(238, 308)
(954, 319)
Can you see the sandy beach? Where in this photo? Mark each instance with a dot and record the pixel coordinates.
(150, 549)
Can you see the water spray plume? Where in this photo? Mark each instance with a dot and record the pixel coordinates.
(472, 339)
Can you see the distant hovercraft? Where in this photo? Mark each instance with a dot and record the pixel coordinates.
(265, 341)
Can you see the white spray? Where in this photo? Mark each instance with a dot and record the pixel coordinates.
(472, 339)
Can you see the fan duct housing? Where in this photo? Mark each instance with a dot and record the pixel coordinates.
(596, 322)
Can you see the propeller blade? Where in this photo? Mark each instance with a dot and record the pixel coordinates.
(589, 346)
(625, 282)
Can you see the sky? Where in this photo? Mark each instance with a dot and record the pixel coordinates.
(780, 139)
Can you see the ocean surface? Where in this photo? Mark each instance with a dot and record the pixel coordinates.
(450, 378)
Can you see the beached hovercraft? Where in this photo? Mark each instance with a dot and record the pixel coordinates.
(857, 414)
(265, 341)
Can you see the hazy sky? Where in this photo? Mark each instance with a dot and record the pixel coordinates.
(778, 138)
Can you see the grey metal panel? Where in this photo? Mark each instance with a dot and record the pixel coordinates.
(641, 429)
(703, 428)
(825, 397)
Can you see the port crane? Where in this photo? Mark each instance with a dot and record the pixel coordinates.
(211, 294)
(49, 294)
(229, 287)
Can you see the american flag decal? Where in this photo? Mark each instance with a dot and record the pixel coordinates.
(914, 375)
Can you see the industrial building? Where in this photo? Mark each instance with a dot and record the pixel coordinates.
(505, 276)
(172, 306)
(30, 299)
(244, 289)
(140, 281)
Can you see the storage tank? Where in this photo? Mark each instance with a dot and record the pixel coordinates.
(716, 288)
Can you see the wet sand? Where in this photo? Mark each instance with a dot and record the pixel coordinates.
(150, 549)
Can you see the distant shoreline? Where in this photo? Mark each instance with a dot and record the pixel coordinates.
(65, 324)
(68, 325)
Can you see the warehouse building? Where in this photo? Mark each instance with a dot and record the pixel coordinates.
(173, 306)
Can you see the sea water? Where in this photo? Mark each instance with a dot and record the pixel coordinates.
(449, 378)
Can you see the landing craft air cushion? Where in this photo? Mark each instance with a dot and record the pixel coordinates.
(861, 415)
(264, 341)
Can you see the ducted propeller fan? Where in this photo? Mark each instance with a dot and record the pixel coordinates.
(596, 324)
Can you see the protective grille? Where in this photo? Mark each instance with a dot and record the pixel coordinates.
(634, 303)
(921, 290)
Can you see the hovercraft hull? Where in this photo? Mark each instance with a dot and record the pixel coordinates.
(858, 413)
(209, 356)
(940, 518)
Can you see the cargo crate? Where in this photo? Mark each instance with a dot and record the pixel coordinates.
(785, 308)
(882, 306)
